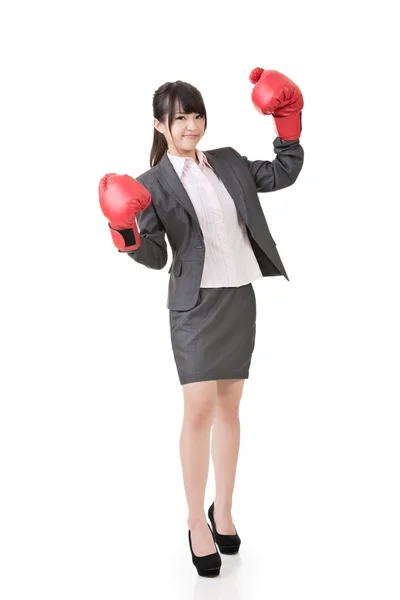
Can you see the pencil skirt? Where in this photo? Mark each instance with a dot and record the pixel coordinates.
(216, 338)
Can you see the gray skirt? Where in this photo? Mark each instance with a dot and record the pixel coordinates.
(216, 338)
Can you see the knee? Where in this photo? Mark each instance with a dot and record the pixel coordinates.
(227, 407)
(200, 416)
(227, 411)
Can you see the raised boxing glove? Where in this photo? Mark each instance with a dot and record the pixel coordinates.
(277, 95)
(121, 199)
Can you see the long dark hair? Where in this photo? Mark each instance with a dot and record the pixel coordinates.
(164, 99)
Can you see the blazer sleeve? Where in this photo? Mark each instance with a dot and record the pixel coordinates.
(152, 252)
(283, 171)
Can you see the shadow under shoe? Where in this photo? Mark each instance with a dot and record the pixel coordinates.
(208, 565)
(227, 544)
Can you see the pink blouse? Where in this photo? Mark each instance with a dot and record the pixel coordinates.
(229, 257)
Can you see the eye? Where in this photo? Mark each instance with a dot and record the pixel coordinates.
(201, 116)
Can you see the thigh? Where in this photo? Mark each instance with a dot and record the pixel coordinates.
(229, 393)
(230, 387)
(200, 397)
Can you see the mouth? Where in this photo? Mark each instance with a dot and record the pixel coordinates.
(190, 136)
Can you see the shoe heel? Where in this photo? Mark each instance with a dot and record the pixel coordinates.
(208, 565)
(227, 544)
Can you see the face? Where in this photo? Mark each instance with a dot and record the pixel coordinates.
(186, 129)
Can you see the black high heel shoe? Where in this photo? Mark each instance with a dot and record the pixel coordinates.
(227, 544)
(208, 565)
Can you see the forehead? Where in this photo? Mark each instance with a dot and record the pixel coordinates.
(182, 113)
(178, 109)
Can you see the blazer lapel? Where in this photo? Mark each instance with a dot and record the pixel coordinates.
(169, 179)
(232, 183)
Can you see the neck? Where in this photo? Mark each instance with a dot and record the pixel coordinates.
(191, 155)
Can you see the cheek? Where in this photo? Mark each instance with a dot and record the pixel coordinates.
(176, 129)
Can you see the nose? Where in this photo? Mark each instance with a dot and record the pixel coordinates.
(192, 127)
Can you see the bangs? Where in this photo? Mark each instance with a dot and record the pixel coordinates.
(185, 99)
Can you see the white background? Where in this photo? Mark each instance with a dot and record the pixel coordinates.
(92, 501)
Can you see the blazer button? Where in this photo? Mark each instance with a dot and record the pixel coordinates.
(198, 246)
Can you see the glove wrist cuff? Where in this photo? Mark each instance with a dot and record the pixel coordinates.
(288, 128)
(125, 239)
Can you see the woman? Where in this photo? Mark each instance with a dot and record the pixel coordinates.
(207, 204)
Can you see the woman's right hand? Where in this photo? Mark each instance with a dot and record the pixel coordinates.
(121, 199)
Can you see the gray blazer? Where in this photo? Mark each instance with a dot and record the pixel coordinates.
(171, 213)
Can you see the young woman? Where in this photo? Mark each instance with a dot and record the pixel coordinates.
(206, 203)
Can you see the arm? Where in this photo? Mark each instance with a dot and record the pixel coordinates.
(152, 252)
(282, 171)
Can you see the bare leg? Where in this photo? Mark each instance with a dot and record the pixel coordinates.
(199, 407)
(225, 450)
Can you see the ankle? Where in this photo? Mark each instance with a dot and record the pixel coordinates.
(196, 520)
(223, 506)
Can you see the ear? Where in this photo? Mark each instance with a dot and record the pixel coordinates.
(159, 126)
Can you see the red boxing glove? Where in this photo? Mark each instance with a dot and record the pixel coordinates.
(121, 199)
(277, 95)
